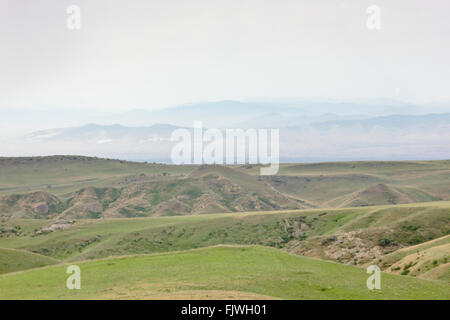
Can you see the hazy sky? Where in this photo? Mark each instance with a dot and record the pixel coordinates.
(155, 53)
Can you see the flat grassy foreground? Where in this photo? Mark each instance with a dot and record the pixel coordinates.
(215, 273)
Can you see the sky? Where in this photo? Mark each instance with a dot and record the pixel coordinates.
(159, 53)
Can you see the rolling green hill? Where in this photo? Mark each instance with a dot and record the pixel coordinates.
(220, 272)
(12, 260)
(429, 260)
(64, 174)
(140, 217)
(80, 187)
(351, 235)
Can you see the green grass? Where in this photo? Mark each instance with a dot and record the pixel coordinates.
(91, 239)
(15, 260)
(157, 189)
(178, 198)
(256, 270)
(62, 174)
(427, 260)
(84, 234)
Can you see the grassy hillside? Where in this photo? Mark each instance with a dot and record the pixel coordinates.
(220, 272)
(429, 260)
(76, 209)
(80, 187)
(364, 183)
(352, 235)
(63, 174)
(15, 260)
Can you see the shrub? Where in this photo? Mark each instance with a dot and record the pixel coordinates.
(328, 240)
(384, 242)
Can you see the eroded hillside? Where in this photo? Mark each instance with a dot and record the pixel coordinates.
(74, 187)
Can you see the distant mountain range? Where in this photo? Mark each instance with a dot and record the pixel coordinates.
(226, 114)
(219, 114)
(321, 138)
(162, 132)
(106, 133)
(308, 131)
(416, 122)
